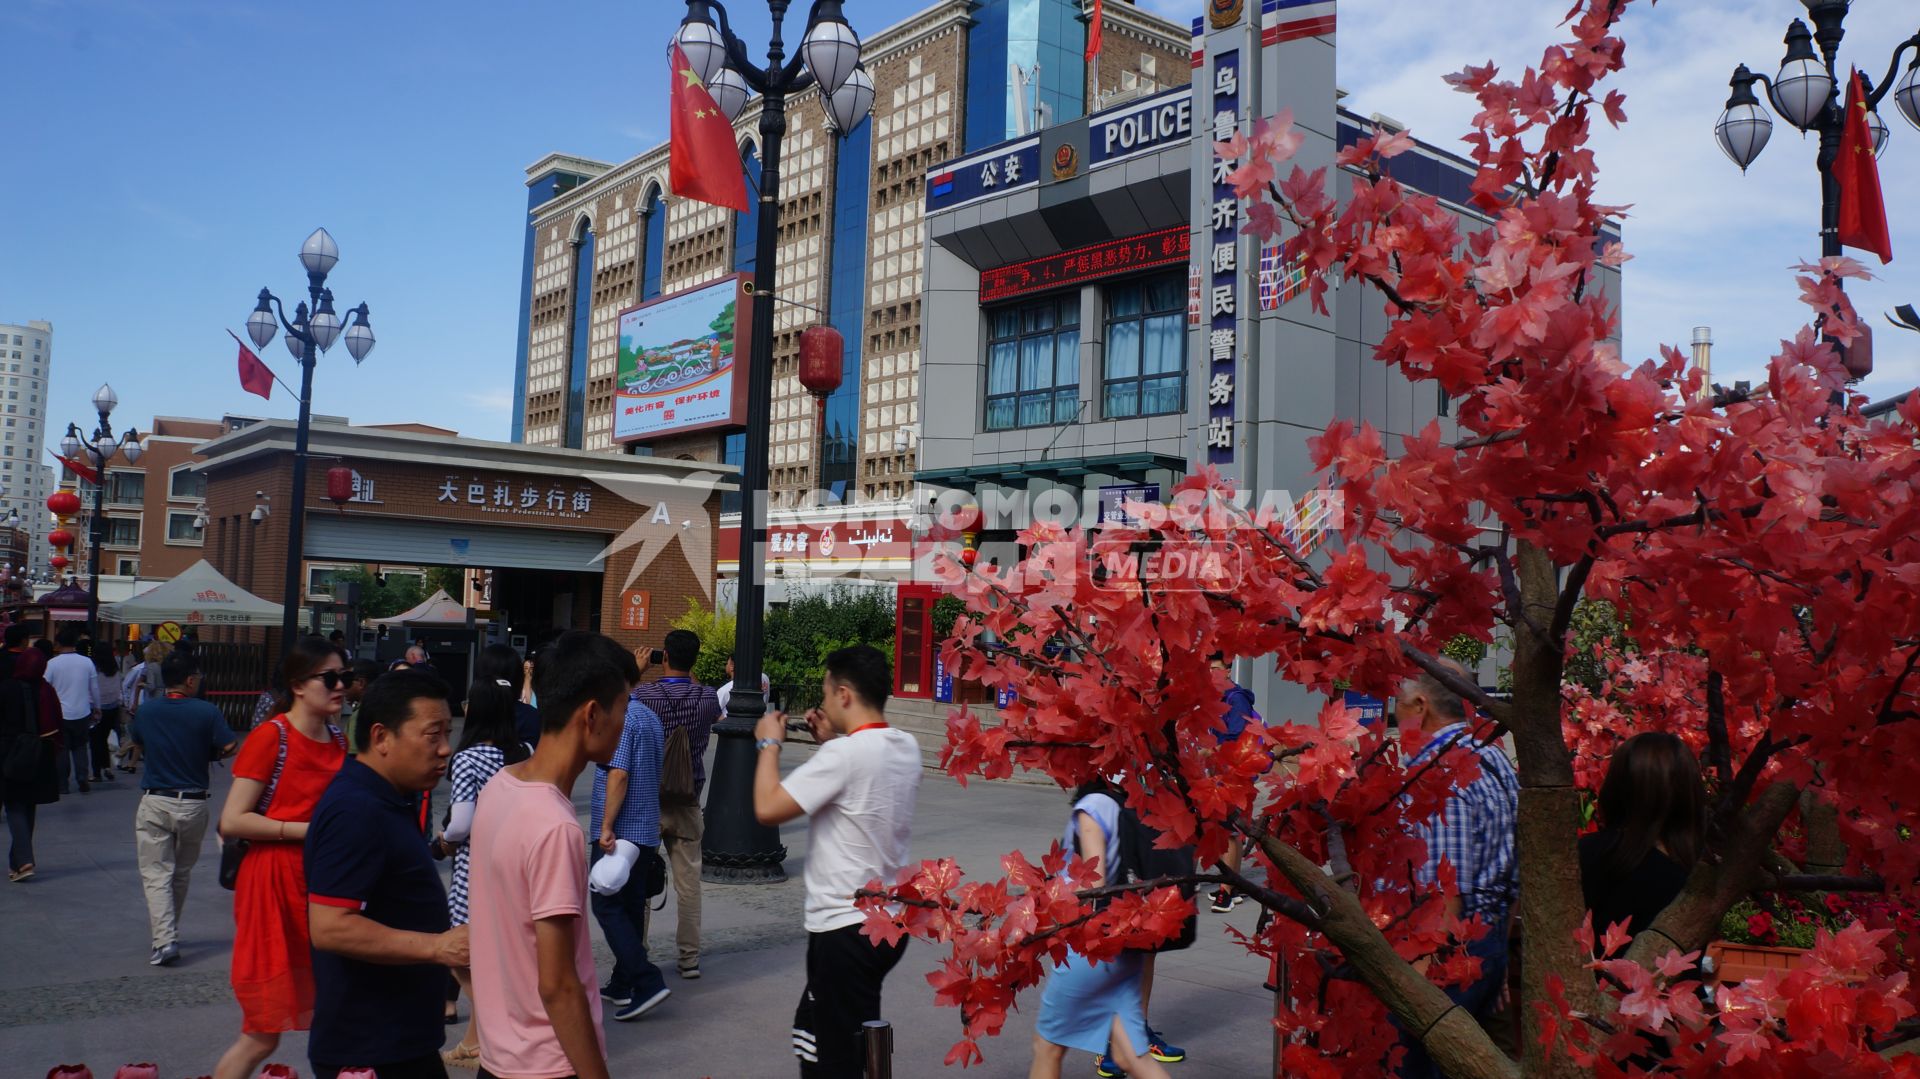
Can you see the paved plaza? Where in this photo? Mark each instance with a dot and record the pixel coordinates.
(75, 984)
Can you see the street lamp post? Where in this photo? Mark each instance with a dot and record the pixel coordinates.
(1807, 93)
(311, 331)
(737, 848)
(100, 448)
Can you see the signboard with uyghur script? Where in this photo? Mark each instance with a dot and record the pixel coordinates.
(1111, 258)
(678, 362)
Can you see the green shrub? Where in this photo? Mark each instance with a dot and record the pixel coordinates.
(802, 632)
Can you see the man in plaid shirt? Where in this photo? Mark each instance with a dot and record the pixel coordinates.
(1473, 833)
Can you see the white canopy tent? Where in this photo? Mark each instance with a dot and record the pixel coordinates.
(438, 609)
(200, 596)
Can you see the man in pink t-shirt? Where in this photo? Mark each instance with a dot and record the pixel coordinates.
(527, 881)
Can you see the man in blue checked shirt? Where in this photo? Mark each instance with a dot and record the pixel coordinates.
(630, 784)
(1473, 833)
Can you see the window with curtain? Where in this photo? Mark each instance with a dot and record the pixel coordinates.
(1033, 363)
(123, 532)
(126, 487)
(1146, 347)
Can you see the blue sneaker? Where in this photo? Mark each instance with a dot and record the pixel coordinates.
(1163, 1051)
(1105, 1068)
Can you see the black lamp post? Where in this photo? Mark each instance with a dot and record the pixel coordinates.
(737, 848)
(99, 448)
(310, 332)
(1807, 93)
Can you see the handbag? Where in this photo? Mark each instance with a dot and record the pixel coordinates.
(655, 868)
(234, 851)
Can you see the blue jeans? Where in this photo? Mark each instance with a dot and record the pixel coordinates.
(1477, 998)
(623, 918)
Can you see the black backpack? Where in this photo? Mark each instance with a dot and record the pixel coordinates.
(1137, 859)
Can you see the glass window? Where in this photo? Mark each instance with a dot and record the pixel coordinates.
(1146, 348)
(183, 482)
(126, 486)
(123, 532)
(1033, 364)
(181, 527)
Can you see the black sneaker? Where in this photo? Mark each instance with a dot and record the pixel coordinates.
(1222, 901)
(169, 955)
(158, 958)
(618, 1000)
(691, 973)
(637, 1008)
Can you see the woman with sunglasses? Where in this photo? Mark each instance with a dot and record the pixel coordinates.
(272, 956)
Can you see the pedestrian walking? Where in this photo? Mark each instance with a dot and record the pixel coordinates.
(282, 769)
(1096, 1007)
(1238, 716)
(106, 674)
(181, 735)
(30, 744)
(141, 682)
(364, 672)
(725, 693)
(381, 940)
(502, 662)
(533, 975)
(857, 791)
(1474, 832)
(687, 711)
(489, 741)
(625, 826)
(72, 677)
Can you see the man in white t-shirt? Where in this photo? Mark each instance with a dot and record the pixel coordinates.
(725, 693)
(858, 791)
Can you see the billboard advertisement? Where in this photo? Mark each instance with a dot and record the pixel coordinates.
(679, 364)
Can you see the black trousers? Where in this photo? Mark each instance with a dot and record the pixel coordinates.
(844, 974)
(426, 1067)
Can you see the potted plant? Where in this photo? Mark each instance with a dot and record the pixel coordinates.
(1773, 932)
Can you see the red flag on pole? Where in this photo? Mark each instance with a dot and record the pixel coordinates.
(255, 376)
(1094, 26)
(1863, 213)
(703, 162)
(78, 469)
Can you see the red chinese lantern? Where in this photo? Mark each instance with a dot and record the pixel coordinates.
(64, 503)
(58, 561)
(60, 537)
(821, 350)
(340, 485)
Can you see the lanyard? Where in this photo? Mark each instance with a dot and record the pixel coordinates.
(876, 725)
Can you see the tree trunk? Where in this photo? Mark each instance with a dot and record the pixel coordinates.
(1826, 853)
(1551, 903)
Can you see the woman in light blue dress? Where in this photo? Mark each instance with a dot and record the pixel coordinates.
(1095, 1007)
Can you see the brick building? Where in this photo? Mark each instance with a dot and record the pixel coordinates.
(602, 237)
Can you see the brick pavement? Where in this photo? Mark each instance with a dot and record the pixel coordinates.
(74, 984)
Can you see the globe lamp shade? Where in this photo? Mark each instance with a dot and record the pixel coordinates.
(849, 105)
(261, 324)
(831, 50)
(319, 253)
(700, 42)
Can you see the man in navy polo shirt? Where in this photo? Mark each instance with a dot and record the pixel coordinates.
(377, 910)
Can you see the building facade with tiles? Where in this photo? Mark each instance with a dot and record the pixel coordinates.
(1105, 329)
(603, 238)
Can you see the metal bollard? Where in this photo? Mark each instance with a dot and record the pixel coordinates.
(877, 1036)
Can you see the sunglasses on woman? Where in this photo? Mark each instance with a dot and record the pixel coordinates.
(335, 679)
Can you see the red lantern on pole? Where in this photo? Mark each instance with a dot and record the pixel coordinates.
(61, 538)
(821, 352)
(64, 503)
(340, 485)
(58, 561)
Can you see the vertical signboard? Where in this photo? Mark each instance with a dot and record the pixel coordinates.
(1222, 272)
(1221, 309)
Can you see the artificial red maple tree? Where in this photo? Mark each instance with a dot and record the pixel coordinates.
(1760, 547)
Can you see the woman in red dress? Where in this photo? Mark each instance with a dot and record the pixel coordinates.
(272, 956)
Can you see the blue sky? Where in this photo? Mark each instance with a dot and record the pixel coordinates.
(166, 157)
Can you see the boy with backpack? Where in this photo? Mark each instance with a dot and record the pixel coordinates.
(687, 711)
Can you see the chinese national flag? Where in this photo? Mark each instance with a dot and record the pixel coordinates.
(1094, 26)
(78, 469)
(255, 376)
(703, 162)
(1863, 214)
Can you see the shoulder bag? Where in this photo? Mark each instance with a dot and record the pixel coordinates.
(233, 851)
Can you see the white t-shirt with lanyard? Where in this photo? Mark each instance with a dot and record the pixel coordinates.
(858, 792)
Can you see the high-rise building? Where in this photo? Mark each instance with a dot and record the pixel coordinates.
(26, 362)
(603, 238)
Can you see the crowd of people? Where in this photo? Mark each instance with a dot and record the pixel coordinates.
(343, 925)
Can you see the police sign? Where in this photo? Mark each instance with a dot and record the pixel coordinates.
(1149, 124)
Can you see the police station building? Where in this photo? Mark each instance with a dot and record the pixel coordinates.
(1097, 324)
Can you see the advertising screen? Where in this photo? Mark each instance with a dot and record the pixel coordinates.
(678, 363)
